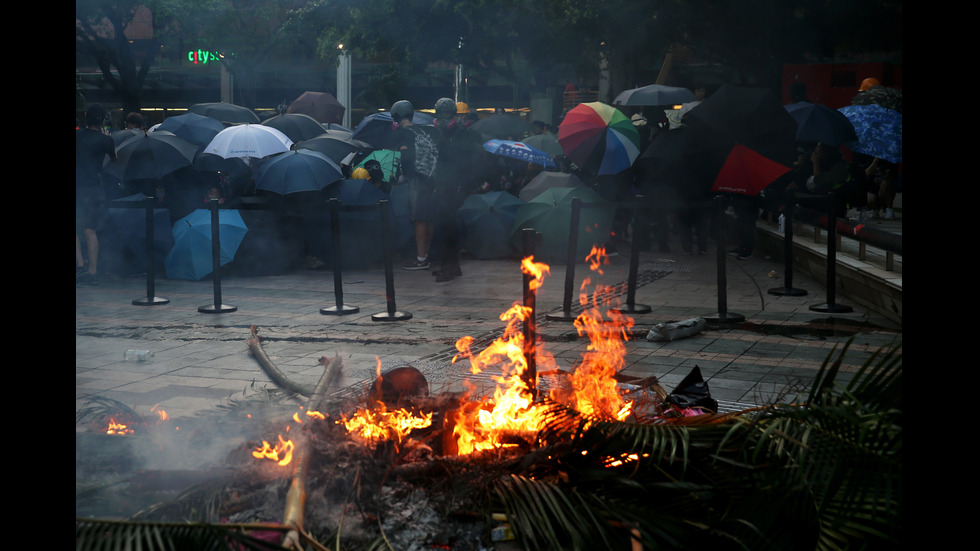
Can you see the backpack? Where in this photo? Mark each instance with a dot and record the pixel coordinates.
(426, 152)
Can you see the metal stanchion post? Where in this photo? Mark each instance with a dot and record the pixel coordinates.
(723, 315)
(392, 314)
(830, 305)
(570, 261)
(631, 306)
(339, 307)
(787, 289)
(150, 299)
(530, 375)
(217, 307)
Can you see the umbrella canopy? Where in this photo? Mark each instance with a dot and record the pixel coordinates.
(337, 148)
(388, 159)
(547, 180)
(376, 130)
(746, 172)
(599, 138)
(546, 142)
(225, 112)
(665, 172)
(502, 126)
(655, 94)
(819, 123)
(320, 105)
(249, 140)
(486, 220)
(519, 151)
(151, 156)
(125, 233)
(191, 256)
(296, 126)
(878, 129)
(753, 117)
(197, 129)
(120, 136)
(297, 171)
(550, 215)
(361, 233)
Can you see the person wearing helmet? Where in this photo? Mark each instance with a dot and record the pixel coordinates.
(460, 155)
(360, 173)
(419, 157)
(867, 83)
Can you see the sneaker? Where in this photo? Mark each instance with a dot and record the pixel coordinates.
(80, 271)
(889, 214)
(418, 265)
(87, 280)
(744, 256)
(735, 252)
(451, 272)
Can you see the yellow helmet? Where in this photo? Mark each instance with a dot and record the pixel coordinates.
(361, 173)
(462, 108)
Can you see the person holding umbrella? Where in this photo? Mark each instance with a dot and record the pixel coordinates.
(92, 146)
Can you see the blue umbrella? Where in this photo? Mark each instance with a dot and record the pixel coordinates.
(297, 171)
(878, 129)
(486, 220)
(519, 151)
(191, 256)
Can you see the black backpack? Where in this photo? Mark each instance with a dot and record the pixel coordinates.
(426, 151)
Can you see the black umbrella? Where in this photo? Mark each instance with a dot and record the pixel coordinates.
(151, 156)
(336, 148)
(819, 123)
(225, 112)
(320, 105)
(655, 94)
(502, 126)
(378, 129)
(297, 126)
(197, 129)
(120, 136)
(297, 171)
(753, 117)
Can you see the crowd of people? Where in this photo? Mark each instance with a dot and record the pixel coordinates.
(443, 162)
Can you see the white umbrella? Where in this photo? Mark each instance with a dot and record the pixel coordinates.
(249, 141)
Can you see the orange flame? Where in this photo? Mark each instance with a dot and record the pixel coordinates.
(281, 453)
(536, 270)
(118, 429)
(594, 389)
(379, 424)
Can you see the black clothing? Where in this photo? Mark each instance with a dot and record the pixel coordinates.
(91, 148)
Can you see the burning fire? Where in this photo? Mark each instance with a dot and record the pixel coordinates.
(485, 423)
(281, 453)
(116, 428)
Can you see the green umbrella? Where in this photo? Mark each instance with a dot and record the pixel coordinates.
(550, 215)
(389, 160)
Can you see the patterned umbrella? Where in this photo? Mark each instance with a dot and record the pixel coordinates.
(519, 151)
(878, 129)
(599, 138)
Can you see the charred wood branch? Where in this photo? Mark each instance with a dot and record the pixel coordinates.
(277, 376)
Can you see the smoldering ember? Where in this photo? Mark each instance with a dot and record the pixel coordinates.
(548, 456)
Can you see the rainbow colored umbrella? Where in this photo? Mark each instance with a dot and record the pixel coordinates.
(599, 138)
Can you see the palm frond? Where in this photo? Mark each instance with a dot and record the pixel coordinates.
(96, 535)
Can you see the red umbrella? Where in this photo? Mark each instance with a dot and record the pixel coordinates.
(320, 105)
(746, 172)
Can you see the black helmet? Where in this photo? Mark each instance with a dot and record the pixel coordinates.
(402, 109)
(445, 108)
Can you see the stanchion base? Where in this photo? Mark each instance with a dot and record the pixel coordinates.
(150, 301)
(787, 292)
(217, 309)
(397, 316)
(832, 308)
(635, 309)
(727, 317)
(564, 316)
(339, 310)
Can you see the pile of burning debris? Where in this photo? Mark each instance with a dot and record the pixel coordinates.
(401, 468)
